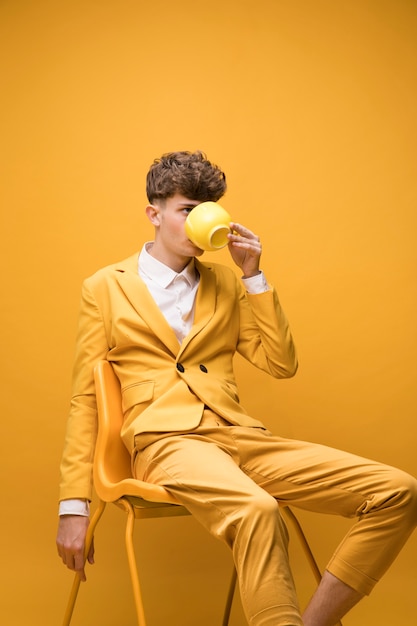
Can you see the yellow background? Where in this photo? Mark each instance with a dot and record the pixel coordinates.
(310, 107)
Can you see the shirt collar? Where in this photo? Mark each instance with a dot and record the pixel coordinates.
(161, 273)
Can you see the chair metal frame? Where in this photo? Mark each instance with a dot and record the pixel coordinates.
(113, 482)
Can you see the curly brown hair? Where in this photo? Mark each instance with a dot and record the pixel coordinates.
(188, 173)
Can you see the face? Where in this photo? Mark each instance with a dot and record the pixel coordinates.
(172, 245)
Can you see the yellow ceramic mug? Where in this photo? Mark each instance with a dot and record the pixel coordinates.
(207, 226)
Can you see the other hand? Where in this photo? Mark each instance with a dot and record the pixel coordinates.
(70, 541)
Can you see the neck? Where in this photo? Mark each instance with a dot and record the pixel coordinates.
(177, 264)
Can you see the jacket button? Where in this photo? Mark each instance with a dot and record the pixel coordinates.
(180, 367)
(203, 368)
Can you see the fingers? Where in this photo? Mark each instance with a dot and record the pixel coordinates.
(242, 231)
(79, 566)
(73, 558)
(245, 238)
(74, 562)
(90, 555)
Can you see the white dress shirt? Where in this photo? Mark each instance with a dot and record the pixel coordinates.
(175, 295)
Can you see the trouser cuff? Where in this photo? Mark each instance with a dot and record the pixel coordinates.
(351, 576)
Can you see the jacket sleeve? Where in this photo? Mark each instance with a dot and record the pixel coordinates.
(265, 338)
(81, 431)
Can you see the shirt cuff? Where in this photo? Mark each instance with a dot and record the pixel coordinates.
(256, 284)
(74, 507)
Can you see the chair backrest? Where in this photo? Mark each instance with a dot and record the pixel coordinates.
(112, 461)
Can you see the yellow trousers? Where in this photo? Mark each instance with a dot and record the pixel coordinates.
(230, 478)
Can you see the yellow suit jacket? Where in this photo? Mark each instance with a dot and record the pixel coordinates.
(165, 385)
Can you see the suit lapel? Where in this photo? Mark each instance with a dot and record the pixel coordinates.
(140, 298)
(205, 303)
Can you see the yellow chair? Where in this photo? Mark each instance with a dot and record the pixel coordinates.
(113, 482)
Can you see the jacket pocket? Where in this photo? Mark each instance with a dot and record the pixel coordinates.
(137, 393)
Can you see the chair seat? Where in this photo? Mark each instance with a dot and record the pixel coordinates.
(144, 508)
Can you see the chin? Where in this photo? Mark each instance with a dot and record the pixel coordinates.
(196, 250)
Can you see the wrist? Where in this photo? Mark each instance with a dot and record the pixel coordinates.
(251, 274)
(255, 284)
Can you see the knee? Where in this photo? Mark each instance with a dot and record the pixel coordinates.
(411, 489)
(261, 505)
(404, 486)
(261, 515)
(257, 515)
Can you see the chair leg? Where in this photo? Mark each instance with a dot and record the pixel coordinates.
(304, 543)
(132, 562)
(229, 600)
(76, 582)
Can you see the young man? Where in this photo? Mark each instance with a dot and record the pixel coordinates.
(170, 326)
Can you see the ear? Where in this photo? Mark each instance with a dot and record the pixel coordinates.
(153, 213)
